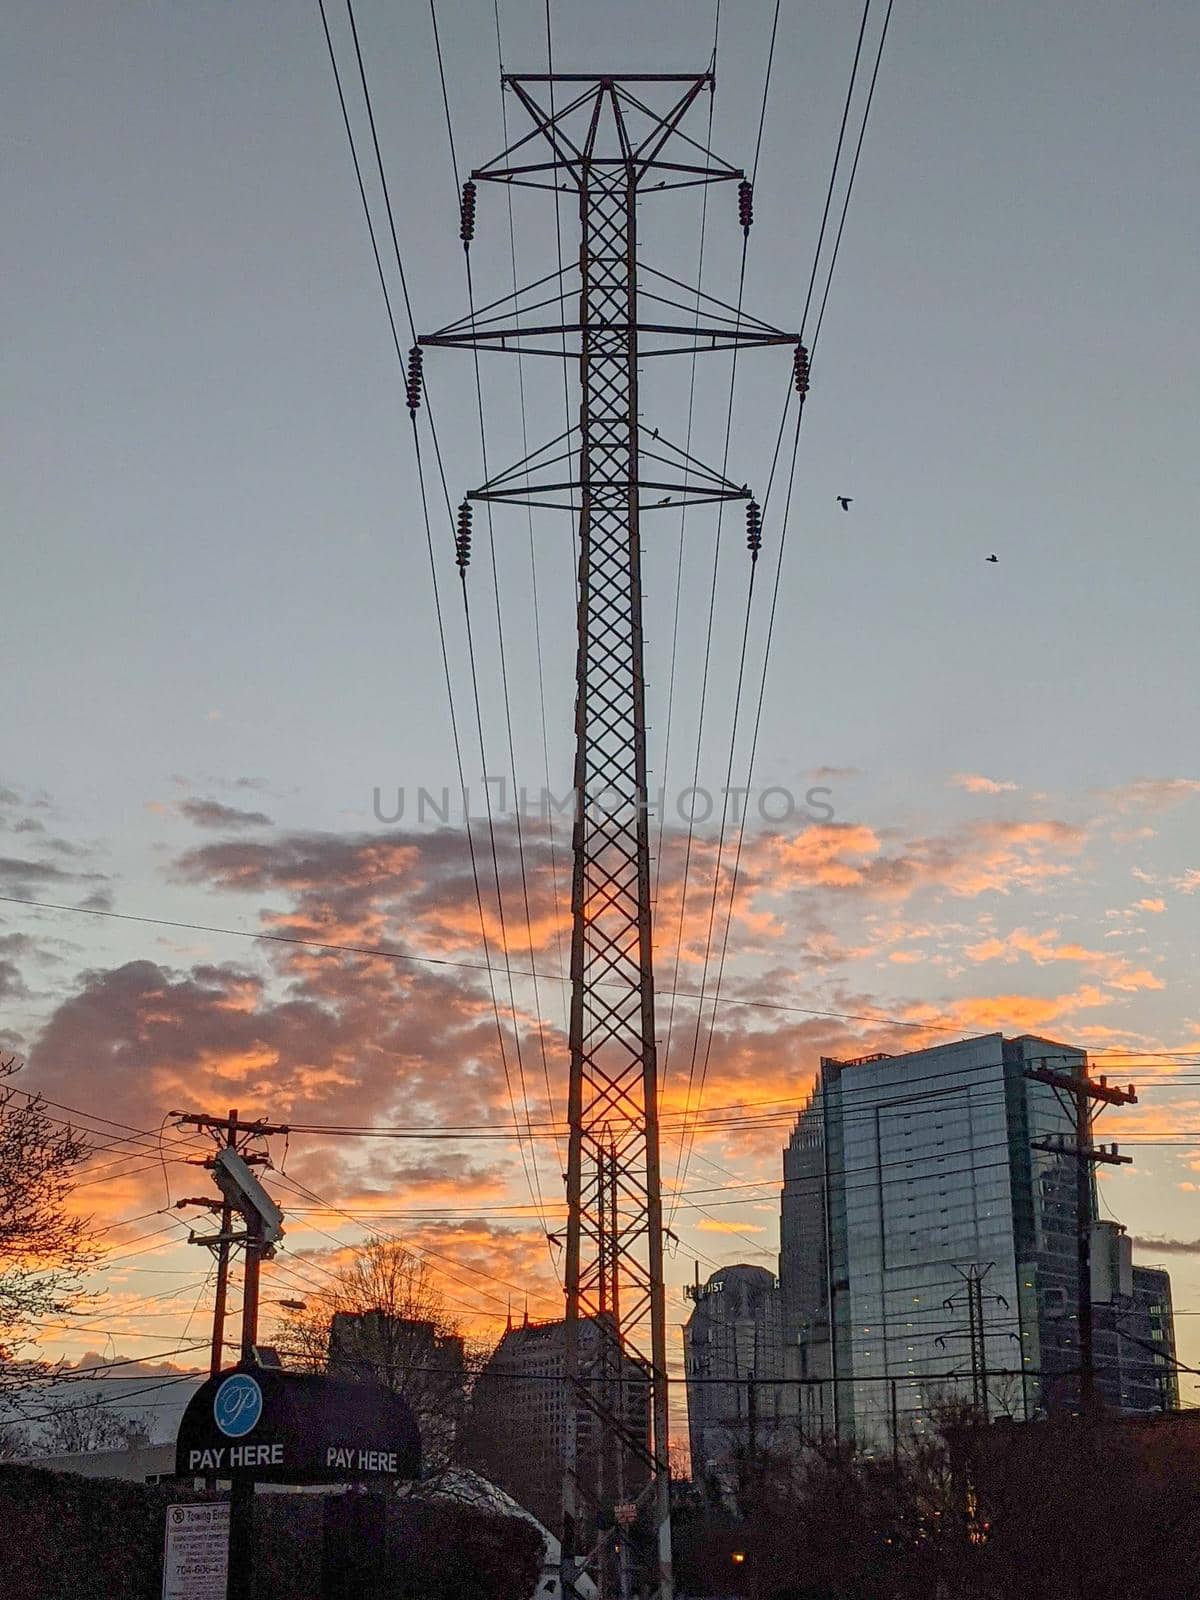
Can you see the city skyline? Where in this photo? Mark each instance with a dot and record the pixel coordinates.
(221, 617)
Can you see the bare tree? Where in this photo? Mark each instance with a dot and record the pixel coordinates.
(44, 1248)
(72, 1427)
(381, 1318)
(13, 1442)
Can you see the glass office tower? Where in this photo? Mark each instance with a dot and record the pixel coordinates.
(928, 1251)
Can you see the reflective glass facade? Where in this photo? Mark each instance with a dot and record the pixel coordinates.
(905, 1177)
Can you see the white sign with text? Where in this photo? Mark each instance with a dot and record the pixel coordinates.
(196, 1553)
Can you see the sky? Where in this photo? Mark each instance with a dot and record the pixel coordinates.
(222, 638)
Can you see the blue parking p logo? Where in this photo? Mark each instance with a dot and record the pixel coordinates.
(237, 1405)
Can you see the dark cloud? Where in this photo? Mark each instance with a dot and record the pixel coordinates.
(215, 782)
(328, 1036)
(26, 800)
(27, 879)
(411, 889)
(212, 814)
(16, 948)
(1168, 1247)
(12, 985)
(22, 878)
(335, 1041)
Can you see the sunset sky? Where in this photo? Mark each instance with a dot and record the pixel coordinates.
(221, 641)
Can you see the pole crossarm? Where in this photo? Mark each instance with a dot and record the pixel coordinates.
(1079, 1083)
(570, 131)
(683, 322)
(1056, 1145)
(553, 476)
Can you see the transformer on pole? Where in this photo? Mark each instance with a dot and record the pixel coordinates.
(613, 139)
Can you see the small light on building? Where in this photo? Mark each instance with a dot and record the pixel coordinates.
(738, 1557)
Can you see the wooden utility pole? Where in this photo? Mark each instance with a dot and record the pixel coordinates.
(230, 1133)
(222, 1294)
(261, 1219)
(1081, 1098)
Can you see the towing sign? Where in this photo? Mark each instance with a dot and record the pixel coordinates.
(196, 1552)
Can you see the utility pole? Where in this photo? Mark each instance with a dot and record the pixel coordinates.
(231, 1169)
(229, 1133)
(220, 1298)
(1081, 1097)
(611, 139)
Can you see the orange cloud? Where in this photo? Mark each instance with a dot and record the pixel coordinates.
(1153, 794)
(719, 1225)
(1044, 947)
(1010, 1013)
(974, 783)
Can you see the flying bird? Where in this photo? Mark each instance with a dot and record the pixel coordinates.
(993, 558)
(844, 501)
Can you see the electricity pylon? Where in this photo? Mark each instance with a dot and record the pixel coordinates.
(613, 139)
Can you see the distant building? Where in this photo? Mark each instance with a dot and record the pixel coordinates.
(136, 1463)
(411, 1357)
(387, 1349)
(733, 1348)
(521, 1415)
(1136, 1363)
(904, 1175)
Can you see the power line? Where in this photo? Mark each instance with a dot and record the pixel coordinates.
(412, 326)
(837, 243)
(362, 190)
(683, 510)
(530, 1164)
(416, 1249)
(782, 541)
(537, 623)
(374, 952)
(533, 1172)
(58, 1411)
(837, 156)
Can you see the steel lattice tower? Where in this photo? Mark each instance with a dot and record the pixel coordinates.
(604, 143)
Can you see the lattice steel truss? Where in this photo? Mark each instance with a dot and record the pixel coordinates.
(604, 143)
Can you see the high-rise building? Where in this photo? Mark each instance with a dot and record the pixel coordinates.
(928, 1250)
(733, 1357)
(521, 1415)
(412, 1357)
(1137, 1371)
(387, 1348)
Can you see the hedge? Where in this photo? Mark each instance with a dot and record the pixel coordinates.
(64, 1537)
